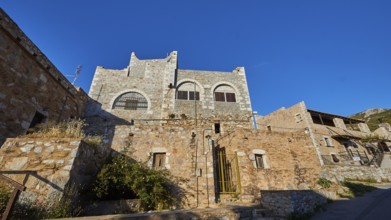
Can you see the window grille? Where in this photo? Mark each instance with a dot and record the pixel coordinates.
(131, 101)
(230, 97)
(219, 96)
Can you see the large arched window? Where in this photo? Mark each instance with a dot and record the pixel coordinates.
(188, 91)
(131, 101)
(225, 93)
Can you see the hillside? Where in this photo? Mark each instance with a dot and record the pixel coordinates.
(374, 116)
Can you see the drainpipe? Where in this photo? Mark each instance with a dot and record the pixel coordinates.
(206, 160)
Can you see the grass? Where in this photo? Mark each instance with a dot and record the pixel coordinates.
(324, 183)
(368, 180)
(68, 129)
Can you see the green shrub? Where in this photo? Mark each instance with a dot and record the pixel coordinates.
(325, 183)
(5, 193)
(120, 176)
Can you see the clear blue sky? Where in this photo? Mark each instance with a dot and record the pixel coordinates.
(333, 54)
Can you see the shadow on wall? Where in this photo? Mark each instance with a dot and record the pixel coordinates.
(101, 123)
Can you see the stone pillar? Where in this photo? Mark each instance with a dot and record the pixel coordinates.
(364, 128)
(339, 123)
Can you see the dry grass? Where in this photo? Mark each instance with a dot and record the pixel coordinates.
(68, 129)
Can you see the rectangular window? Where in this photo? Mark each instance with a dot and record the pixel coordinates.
(182, 95)
(328, 142)
(259, 160)
(191, 95)
(131, 104)
(159, 160)
(219, 96)
(217, 128)
(230, 97)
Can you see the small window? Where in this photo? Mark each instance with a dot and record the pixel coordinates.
(328, 142)
(259, 161)
(335, 158)
(217, 128)
(159, 160)
(298, 117)
(269, 128)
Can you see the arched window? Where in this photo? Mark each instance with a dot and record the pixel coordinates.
(131, 101)
(225, 93)
(187, 91)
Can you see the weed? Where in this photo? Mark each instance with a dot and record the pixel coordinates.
(324, 183)
(68, 129)
(94, 141)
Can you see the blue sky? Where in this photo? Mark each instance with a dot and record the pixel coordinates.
(335, 55)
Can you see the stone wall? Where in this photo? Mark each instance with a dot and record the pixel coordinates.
(190, 147)
(285, 202)
(30, 83)
(47, 166)
(363, 173)
(290, 161)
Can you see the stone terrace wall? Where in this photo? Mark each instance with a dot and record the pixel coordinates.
(30, 83)
(285, 202)
(363, 173)
(51, 164)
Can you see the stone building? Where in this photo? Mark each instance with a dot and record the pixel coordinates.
(336, 139)
(199, 126)
(27, 77)
(157, 89)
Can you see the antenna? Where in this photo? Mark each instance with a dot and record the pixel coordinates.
(76, 74)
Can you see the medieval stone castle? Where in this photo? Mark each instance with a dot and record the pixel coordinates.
(199, 125)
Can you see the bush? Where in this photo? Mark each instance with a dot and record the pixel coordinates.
(120, 176)
(5, 194)
(325, 183)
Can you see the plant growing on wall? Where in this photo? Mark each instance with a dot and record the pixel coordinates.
(121, 175)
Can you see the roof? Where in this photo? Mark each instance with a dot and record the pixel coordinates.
(336, 116)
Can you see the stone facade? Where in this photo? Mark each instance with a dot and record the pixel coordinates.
(191, 155)
(335, 138)
(155, 84)
(32, 88)
(48, 166)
